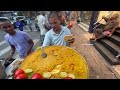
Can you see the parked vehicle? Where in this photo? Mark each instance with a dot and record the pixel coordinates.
(22, 19)
(5, 18)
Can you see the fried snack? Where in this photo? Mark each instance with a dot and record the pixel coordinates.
(68, 38)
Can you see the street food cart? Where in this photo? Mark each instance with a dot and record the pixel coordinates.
(61, 62)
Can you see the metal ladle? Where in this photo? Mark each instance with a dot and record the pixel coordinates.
(44, 55)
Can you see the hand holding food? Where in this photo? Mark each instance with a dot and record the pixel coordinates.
(69, 38)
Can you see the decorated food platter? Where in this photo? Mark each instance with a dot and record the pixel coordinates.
(61, 63)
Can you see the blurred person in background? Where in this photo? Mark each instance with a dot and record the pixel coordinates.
(19, 24)
(36, 24)
(29, 23)
(111, 24)
(41, 23)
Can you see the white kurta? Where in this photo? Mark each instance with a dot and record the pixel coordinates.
(41, 22)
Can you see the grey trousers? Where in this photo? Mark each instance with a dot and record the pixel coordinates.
(42, 39)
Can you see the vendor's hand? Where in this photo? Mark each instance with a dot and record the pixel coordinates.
(71, 41)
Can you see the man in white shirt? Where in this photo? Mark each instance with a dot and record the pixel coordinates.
(56, 35)
(41, 22)
(29, 23)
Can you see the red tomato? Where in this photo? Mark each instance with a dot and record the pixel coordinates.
(22, 76)
(68, 78)
(18, 71)
(37, 76)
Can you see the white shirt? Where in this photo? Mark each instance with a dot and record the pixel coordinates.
(41, 22)
(51, 38)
